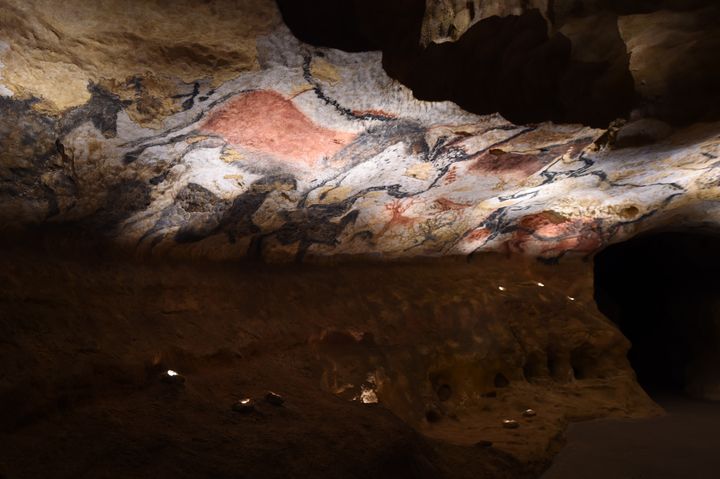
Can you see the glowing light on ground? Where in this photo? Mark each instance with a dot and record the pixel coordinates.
(368, 396)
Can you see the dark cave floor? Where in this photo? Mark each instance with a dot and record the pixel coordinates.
(684, 444)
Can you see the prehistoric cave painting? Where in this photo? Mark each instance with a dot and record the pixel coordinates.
(375, 139)
(102, 109)
(36, 162)
(314, 225)
(333, 165)
(372, 114)
(508, 164)
(445, 204)
(397, 209)
(503, 163)
(549, 235)
(477, 235)
(236, 220)
(196, 213)
(265, 121)
(124, 199)
(27, 149)
(451, 175)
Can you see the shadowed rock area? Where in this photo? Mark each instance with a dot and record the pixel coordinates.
(588, 61)
(665, 303)
(409, 375)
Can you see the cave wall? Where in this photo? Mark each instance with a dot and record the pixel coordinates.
(452, 348)
(294, 151)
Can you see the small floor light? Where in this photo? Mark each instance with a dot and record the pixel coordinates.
(274, 398)
(510, 424)
(244, 406)
(173, 377)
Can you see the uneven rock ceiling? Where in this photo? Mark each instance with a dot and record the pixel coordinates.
(177, 132)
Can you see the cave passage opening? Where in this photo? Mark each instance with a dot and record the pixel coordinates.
(663, 292)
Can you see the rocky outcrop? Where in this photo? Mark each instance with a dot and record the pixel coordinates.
(448, 20)
(537, 60)
(141, 51)
(671, 60)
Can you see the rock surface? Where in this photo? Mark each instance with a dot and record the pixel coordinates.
(580, 49)
(447, 20)
(312, 153)
(141, 50)
(87, 336)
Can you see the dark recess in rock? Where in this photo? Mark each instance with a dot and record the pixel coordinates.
(501, 381)
(123, 199)
(518, 65)
(661, 290)
(444, 392)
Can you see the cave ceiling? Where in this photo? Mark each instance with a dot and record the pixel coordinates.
(217, 133)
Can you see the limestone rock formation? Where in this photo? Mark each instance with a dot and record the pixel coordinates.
(668, 43)
(447, 20)
(142, 50)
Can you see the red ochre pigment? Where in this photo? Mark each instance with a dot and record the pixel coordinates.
(269, 123)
